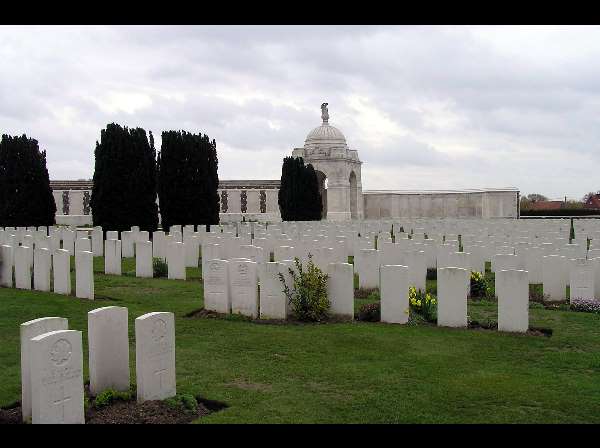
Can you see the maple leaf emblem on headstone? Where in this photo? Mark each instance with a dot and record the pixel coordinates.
(60, 352)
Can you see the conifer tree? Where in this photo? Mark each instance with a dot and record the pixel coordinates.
(25, 195)
(299, 197)
(188, 179)
(124, 191)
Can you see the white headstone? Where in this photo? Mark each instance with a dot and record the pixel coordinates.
(176, 261)
(512, 289)
(61, 263)
(42, 262)
(6, 266)
(98, 242)
(155, 356)
(581, 284)
(243, 287)
(216, 286)
(108, 342)
(273, 301)
(143, 259)
(56, 363)
(340, 289)
(112, 257)
(30, 330)
(554, 277)
(23, 255)
(84, 275)
(394, 294)
(453, 288)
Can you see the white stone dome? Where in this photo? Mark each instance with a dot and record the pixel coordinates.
(326, 134)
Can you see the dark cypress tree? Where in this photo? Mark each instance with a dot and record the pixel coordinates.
(188, 179)
(25, 195)
(299, 197)
(312, 196)
(124, 191)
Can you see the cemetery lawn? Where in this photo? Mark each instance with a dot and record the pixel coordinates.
(356, 372)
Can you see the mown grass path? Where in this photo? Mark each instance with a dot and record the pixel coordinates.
(345, 372)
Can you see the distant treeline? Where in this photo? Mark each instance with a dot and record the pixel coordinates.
(561, 212)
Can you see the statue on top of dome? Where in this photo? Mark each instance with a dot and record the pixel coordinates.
(324, 113)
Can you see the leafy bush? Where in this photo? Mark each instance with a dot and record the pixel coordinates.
(479, 286)
(586, 305)
(431, 274)
(183, 401)
(371, 312)
(308, 298)
(160, 268)
(108, 396)
(423, 303)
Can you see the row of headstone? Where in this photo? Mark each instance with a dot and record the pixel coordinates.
(52, 389)
(25, 268)
(452, 292)
(243, 286)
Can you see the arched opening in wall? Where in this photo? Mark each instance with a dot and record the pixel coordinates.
(322, 179)
(353, 196)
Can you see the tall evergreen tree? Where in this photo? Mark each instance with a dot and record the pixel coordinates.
(124, 191)
(188, 179)
(314, 203)
(299, 197)
(25, 195)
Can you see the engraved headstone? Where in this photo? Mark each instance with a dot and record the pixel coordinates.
(42, 262)
(243, 287)
(216, 286)
(143, 259)
(56, 362)
(155, 356)
(29, 330)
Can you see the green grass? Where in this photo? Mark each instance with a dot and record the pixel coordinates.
(345, 372)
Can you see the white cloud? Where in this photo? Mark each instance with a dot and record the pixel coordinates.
(427, 107)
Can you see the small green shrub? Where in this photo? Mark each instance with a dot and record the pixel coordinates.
(183, 401)
(479, 286)
(308, 295)
(371, 312)
(108, 396)
(423, 303)
(160, 268)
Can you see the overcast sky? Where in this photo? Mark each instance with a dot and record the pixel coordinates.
(426, 107)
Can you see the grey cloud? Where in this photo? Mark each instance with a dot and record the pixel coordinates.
(505, 99)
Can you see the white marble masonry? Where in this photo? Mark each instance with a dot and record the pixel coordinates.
(512, 289)
(216, 286)
(453, 288)
(84, 275)
(394, 284)
(155, 356)
(28, 330)
(143, 259)
(61, 264)
(42, 262)
(273, 302)
(243, 287)
(108, 342)
(112, 257)
(340, 289)
(56, 363)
